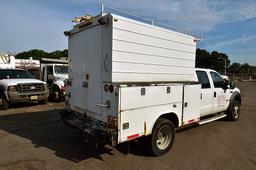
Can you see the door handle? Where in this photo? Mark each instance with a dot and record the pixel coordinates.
(107, 104)
(102, 105)
(215, 94)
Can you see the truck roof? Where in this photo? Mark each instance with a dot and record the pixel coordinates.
(11, 69)
(94, 20)
(204, 69)
(53, 61)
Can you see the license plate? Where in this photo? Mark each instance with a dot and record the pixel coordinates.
(33, 97)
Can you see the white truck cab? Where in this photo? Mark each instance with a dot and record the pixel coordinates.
(216, 95)
(128, 79)
(55, 75)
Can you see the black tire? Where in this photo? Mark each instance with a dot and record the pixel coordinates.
(162, 137)
(233, 112)
(56, 95)
(4, 105)
(43, 101)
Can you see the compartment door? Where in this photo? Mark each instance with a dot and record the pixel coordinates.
(131, 118)
(191, 105)
(85, 69)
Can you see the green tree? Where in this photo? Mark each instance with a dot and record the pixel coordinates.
(235, 68)
(202, 58)
(38, 54)
(35, 54)
(213, 60)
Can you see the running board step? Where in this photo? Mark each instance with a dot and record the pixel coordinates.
(204, 121)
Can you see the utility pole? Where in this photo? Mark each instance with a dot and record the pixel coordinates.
(225, 67)
(102, 8)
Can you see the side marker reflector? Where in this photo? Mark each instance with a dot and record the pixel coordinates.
(191, 121)
(132, 136)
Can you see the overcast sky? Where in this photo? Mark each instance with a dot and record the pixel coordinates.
(225, 25)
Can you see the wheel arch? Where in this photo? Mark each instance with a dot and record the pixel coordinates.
(55, 87)
(3, 92)
(172, 117)
(236, 96)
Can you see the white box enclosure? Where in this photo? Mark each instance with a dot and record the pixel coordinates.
(133, 51)
(142, 52)
(146, 66)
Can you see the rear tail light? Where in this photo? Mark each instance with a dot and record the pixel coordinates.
(106, 88)
(111, 88)
(112, 122)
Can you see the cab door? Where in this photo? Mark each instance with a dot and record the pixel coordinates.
(219, 95)
(206, 96)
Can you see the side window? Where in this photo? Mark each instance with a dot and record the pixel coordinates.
(4, 74)
(217, 80)
(44, 74)
(49, 70)
(203, 79)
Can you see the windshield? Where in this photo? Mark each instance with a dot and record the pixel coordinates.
(15, 74)
(61, 69)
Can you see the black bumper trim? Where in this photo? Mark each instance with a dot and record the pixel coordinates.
(97, 135)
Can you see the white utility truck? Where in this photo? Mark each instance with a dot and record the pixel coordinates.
(128, 79)
(30, 65)
(55, 72)
(17, 85)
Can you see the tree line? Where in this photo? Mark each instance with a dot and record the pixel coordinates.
(37, 54)
(220, 61)
(204, 59)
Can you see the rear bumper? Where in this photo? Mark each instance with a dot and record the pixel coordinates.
(28, 97)
(95, 131)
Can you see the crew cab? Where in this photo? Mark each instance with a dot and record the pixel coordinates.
(218, 95)
(17, 85)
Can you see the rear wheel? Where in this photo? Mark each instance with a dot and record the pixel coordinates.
(233, 113)
(4, 105)
(56, 94)
(162, 137)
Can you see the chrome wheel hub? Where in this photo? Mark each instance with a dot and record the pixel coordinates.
(163, 138)
(236, 112)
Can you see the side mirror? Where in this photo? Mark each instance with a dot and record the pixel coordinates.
(225, 85)
(232, 84)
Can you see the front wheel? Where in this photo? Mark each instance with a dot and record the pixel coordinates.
(4, 105)
(162, 137)
(233, 113)
(58, 95)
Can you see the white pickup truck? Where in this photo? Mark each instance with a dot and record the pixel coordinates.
(129, 79)
(17, 85)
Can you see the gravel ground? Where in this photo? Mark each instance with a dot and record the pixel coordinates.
(33, 137)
